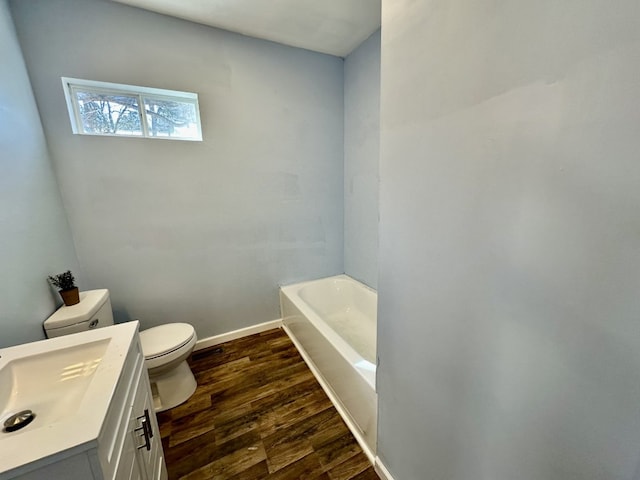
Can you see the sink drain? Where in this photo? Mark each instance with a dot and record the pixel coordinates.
(18, 421)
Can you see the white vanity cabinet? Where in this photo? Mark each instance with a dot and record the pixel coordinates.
(128, 445)
(142, 456)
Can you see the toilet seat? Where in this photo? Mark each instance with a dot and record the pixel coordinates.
(164, 343)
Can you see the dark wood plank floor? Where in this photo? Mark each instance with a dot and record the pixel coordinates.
(258, 413)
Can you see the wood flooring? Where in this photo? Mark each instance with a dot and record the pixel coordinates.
(258, 414)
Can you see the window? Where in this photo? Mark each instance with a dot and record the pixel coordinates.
(100, 108)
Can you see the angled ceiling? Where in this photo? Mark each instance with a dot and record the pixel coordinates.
(335, 27)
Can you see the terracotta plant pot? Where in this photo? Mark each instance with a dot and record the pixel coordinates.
(71, 296)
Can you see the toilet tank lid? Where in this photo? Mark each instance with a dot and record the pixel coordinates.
(165, 338)
(90, 303)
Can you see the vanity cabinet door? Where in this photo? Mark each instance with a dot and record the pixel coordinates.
(133, 430)
(149, 453)
(127, 467)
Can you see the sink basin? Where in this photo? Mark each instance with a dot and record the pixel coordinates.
(51, 384)
(68, 382)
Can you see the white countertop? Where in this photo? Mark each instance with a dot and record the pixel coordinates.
(77, 428)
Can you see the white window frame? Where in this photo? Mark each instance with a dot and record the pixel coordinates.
(70, 84)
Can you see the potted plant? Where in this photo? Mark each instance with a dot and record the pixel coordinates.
(67, 287)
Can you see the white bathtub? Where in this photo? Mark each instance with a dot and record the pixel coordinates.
(332, 322)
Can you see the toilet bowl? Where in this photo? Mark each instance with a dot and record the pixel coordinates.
(165, 347)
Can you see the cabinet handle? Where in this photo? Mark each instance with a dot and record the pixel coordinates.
(147, 432)
(145, 418)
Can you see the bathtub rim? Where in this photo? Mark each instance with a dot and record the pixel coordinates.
(340, 276)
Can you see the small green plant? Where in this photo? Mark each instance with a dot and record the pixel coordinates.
(63, 281)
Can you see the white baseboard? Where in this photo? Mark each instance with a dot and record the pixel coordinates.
(235, 334)
(381, 470)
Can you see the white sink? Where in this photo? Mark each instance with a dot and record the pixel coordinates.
(68, 383)
(51, 384)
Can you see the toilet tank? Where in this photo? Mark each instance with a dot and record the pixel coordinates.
(93, 311)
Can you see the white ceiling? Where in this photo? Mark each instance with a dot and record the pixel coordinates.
(335, 27)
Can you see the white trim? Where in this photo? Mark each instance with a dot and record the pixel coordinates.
(336, 403)
(235, 334)
(72, 107)
(381, 470)
(109, 87)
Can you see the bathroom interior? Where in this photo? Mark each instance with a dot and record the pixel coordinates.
(475, 163)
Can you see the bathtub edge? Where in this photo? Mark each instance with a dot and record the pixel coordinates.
(337, 403)
(381, 469)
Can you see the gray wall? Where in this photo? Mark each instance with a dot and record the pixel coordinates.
(186, 231)
(509, 332)
(35, 240)
(361, 158)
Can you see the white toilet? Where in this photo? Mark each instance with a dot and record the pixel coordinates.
(166, 347)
